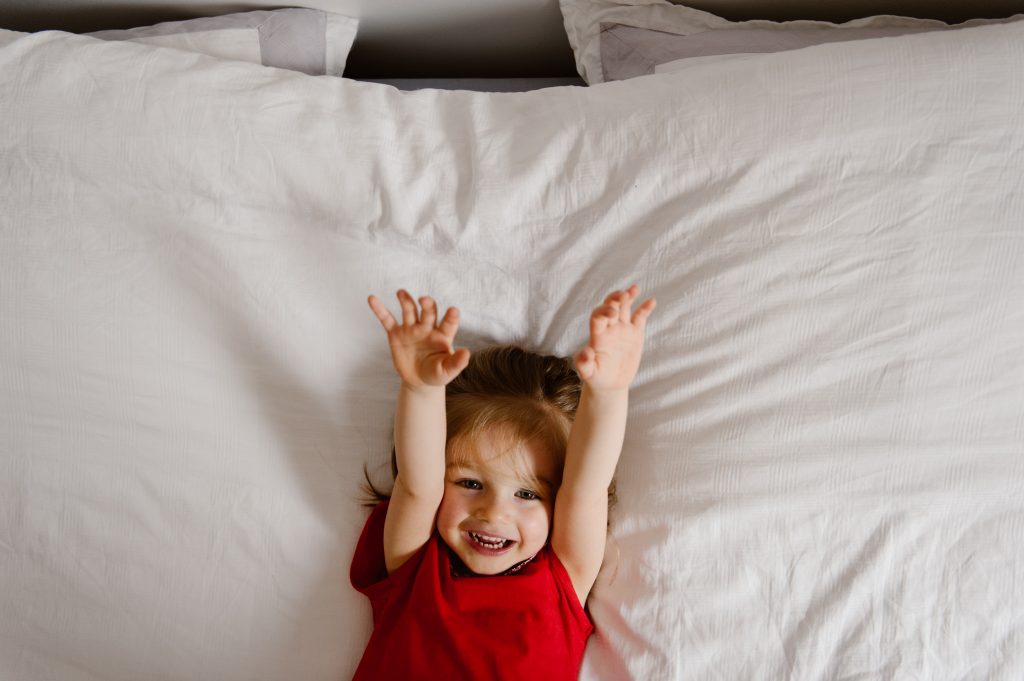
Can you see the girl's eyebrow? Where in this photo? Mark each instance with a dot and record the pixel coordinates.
(546, 483)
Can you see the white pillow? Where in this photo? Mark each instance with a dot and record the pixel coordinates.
(615, 40)
(306, 40)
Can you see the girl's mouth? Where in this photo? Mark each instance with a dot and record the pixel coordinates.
(487, 544)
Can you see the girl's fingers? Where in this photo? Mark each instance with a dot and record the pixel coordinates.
(627, 300)
(429, 315)
(616, 300)
(610, 312)
(585, 362)
(599, 320)
(381, 312)
(450, 324)
(644, 311)
(408, 308)
(455, 362)
(621, 302)
(624, 308)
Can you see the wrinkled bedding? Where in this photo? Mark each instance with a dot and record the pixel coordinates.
(823, 474)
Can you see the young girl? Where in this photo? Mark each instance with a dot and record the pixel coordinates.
(480, 564)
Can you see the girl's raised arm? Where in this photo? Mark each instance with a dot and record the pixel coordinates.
(422, 352)
(606, 366)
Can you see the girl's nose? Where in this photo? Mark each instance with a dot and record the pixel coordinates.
(492, 508)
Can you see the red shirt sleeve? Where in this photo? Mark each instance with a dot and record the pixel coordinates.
(369, 572)
(368, 567)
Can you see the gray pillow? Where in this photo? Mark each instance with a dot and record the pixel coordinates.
(627, 51)
(618, 39)
(307, 40)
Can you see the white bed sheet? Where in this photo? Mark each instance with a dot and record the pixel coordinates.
(823, 472)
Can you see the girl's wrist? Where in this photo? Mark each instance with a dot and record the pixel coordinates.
(606, 393)
(421, 388)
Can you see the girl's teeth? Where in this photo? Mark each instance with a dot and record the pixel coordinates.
(489, 542)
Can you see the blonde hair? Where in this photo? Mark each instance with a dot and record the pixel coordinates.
(516, 396)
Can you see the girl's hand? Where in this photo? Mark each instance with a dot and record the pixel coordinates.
(421, 348)
(610, 360)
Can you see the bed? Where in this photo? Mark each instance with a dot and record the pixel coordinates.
(823, 475)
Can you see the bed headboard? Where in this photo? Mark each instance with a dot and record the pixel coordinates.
(463, 38)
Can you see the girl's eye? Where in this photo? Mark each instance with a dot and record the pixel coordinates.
(527, 494)
(469, 484)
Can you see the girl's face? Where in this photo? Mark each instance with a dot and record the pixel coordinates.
(494, 512)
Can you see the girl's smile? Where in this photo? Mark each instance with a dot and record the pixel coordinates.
(488, 545)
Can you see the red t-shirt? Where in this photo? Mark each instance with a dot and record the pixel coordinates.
(429, 624)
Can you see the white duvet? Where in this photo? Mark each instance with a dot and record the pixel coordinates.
(823, 475)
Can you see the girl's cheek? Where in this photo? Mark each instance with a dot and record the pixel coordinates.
(544, 518)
